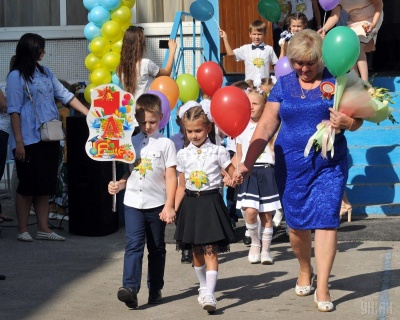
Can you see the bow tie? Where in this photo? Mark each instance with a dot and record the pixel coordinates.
(253, 47)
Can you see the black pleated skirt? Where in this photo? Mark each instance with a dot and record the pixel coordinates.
(204, 221)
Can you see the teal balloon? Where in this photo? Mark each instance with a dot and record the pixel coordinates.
(340, 50)
(99, 15)
(110, 4)
(269, 10)
(201, 10)
(90, 4)
(91, 31)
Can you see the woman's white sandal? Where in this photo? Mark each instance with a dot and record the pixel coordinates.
(49, 236)
(25, 237)
(305, 290)
(323, 306)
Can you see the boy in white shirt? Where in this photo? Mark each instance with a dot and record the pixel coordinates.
(149, 203)
(257, 56)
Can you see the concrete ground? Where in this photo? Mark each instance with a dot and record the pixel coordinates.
(79, 278)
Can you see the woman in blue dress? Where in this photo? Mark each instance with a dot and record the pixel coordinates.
(311, 188)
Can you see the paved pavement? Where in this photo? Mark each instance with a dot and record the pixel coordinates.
(79, 278)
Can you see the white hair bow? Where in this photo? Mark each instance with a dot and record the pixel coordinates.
(191, 104)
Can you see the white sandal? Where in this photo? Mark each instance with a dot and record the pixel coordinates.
(25, 237)
(49, 236)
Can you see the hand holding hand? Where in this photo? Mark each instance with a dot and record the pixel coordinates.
(168, 215)
(240, 174)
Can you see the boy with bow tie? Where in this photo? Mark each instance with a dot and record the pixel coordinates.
(257, 56)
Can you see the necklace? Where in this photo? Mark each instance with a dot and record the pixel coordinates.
(303, 95)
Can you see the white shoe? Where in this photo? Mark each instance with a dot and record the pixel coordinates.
(276, 221)
(254, 258)
(209, 303)
(52, 216)
(62, 217)
(200, 297)
(266, 258)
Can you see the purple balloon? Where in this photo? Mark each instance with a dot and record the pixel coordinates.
(328, 5)
(282, 67)
(166, 111)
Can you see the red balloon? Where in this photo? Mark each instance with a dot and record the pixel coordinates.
(231, 110)
(210, 77)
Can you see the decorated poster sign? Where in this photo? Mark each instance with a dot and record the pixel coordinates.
(111, 121)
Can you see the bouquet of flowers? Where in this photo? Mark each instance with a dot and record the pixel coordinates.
(357, 99)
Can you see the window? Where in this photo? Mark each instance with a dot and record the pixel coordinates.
(36, 13)
(160, 10)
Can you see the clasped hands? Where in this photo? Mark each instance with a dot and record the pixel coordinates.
(238, 176)
(167, 215)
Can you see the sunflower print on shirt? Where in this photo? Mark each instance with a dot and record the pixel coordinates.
(143, 165)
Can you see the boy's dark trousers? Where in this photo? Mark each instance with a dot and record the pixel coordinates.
(142, 224)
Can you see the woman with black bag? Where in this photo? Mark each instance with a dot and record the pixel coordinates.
(31, 90)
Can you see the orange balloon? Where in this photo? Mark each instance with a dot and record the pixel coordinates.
(168, 87)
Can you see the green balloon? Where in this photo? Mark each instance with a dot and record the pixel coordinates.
(188, 87)
(269, 10)
(340, 50)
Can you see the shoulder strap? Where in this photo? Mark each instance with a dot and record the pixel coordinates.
(33, 103)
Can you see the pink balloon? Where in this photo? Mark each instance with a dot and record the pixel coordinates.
(165, 109)
(328, 5)
(282, 67)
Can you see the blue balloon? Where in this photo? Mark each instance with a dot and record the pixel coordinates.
(202, 10)
(98, 15)
(110, 4)
(91, 31)
(115, 80)
(90, 4)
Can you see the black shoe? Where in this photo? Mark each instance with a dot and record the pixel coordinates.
(186, 256)
(129, 296)
(155, 297)
(247, 241)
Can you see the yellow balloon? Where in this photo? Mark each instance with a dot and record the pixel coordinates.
(100, 76)
(117, 46)
(99, 46)
(92, 62)
(126, 26)
(88, 92)
(122, 15)
(128, 3)
(110, 61)
(111, 30)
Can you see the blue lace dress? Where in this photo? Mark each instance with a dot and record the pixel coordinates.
(311, 188)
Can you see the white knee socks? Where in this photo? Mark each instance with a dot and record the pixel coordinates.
(266, 238)
(201, 275)
(253, 232)
(211, 278)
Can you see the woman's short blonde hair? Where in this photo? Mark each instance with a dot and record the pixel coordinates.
(306, 45)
